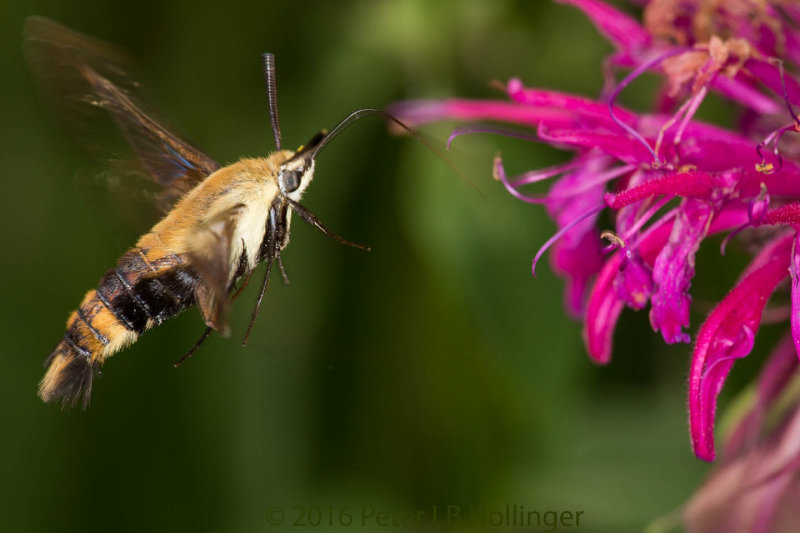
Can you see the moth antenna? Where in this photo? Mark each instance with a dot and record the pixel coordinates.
(272, 96)
(310, 218)
(263, 291)
(358, 114)
(188, 354)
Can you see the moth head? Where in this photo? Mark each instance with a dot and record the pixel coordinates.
(297, 172)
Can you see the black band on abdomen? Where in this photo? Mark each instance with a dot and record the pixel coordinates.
(139, 293)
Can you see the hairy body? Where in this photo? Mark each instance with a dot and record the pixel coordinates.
(221, 221)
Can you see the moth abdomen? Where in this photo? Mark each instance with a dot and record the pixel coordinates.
(137, 294)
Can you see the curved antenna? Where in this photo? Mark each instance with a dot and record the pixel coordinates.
(371, 112)
(359, 114)
(268, 61)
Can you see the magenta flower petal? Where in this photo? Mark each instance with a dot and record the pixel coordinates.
(602, 312)
(560, 234)
(759, 206)
(702, 149)
(674, 269)
(794, 270)
(693, 184)
(620, 146)
(577, 255)
(605, 304)
(728, 334)
(584, 107)
(628, 217)
(788, 214)
(634, 284)
(416, 112)
(577, 265)
(784, 182)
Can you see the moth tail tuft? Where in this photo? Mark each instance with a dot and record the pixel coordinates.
(68, 379)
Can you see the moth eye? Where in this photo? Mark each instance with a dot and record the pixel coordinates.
(290, 180)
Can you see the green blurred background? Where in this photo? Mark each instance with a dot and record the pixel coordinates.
(433, 370)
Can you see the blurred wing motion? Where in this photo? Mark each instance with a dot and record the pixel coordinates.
(86, 80)
(212, 246)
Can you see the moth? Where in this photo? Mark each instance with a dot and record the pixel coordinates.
(220, 222)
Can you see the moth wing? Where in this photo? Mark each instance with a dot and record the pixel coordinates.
(211, 256)
(86, 81)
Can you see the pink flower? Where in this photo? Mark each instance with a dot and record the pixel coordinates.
(669, 180)
(755, 486)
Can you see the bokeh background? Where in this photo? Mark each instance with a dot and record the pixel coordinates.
(433, 370)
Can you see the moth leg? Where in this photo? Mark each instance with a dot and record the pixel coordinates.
(272, 252)
(283, 272)
(188, 354)
(261, 293)
(310, 218)
(243, 286)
